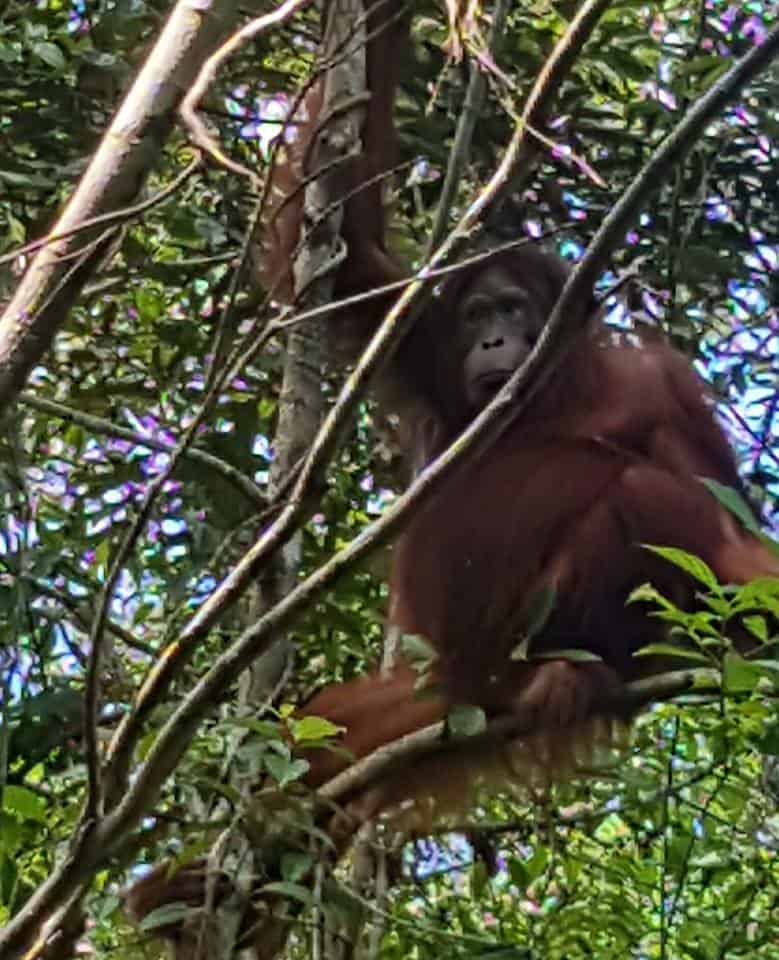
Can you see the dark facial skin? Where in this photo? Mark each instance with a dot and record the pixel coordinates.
(498, 323)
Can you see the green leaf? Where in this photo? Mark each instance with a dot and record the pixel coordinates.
(285, 771)
(24, 804)
(733, 502)
(417, 648)
(226, 790)
(267, 729)
(12, 832)
(10, 52)
(102, 553)
(314, 729)
(689, 563)
(772, 666)
(757, 626)
(50, 54)
(281, 747)
(150, 305)
(770, 742)
(143, 613)
(671, 650)
(171, 914)
(465, 720)
(479, 879)
(518, 873)
(536, 865)
(521, 652)
(574, 654)
(701, 64)
(539, 609)
(762, 594)
(295, 865)
(646, 593)
(292, 891)
(740, 675)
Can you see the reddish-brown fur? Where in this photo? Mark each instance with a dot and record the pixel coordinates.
(606, 458)
(362, 178)
(609, 456)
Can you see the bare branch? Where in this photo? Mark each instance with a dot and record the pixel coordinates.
(207, 75)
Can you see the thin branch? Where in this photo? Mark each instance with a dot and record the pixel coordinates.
(79, 612)
(628, 700)
(207, 75)
(111, 218)
(285, 318)
(471, 111)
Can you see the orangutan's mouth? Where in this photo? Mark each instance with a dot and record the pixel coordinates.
(493, 381)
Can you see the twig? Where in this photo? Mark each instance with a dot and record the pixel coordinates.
(78, 611)
(461, 148)
(113, 216)
(207, 75)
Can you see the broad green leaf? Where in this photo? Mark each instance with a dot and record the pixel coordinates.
(50, 54)
(739, 675)
(292, 891)
(171, 914)
(465, 720)
(646, 593)
(689, 563)
(417, 648)
(536, 865)
(295, 866)
(757, 626)
(24, 804)
(670, 650)
(285, 771)
(770, 742)
(313, 729)
(732, 501)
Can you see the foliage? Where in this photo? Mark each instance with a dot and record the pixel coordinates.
(671, 853)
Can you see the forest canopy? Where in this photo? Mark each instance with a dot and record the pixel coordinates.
(198, 505)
